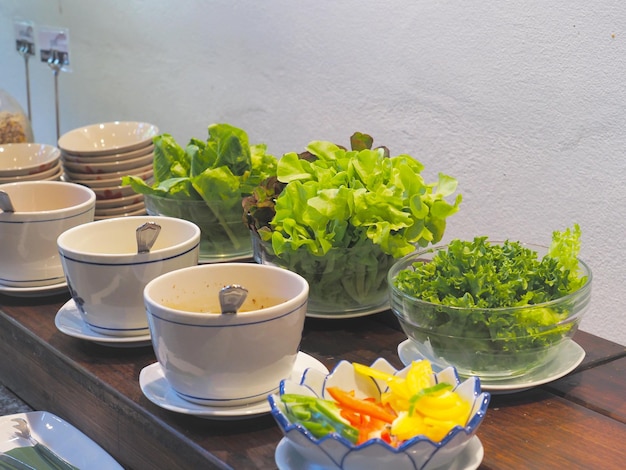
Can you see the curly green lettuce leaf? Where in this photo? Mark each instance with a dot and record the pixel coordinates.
(478, 273)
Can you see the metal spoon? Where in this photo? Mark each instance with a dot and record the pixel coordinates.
(146, 236)
(232, 297)
(5, 202)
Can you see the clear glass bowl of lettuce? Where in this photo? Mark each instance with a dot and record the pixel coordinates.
(344, 282)
(498, 310)
(340, 218)
(224, 236)
(205, 183)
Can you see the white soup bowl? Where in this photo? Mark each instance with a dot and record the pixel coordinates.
(216, 359)
(43, 210)
(106, 275)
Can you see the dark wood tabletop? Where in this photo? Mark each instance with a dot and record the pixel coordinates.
(575, 422)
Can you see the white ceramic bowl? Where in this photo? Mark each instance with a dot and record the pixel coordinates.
(108, 138)
(106, 276)
(131, 213)
(56, 176)
(27, 159)
(50, 174)
(43, 210)
(109, 167)
(334, 451)
(119, 211)
(90, 177)
(112, 181)
(114, 203)
(88, 158)
(113, 192)
(220, 359)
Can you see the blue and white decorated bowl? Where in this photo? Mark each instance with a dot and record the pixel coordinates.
(334, 451)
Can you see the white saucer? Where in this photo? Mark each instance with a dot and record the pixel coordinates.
(69, 321)
(340, 316)
(38, 291)
(288, 458)
(568, 358)
(156, 388)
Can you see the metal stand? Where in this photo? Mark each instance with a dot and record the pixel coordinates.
(54, 62)
(24, 53)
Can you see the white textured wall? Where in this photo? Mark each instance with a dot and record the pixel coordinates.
(524, 102)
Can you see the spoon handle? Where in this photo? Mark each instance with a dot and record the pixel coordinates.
(5, 202)
(232, 297)
(146, 236)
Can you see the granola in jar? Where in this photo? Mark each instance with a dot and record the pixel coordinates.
(15, 127)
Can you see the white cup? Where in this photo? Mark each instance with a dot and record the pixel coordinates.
(219, 359)
(43, 210)
(106, 275)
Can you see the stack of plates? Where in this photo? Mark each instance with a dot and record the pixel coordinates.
(99, 156)
(29, 162)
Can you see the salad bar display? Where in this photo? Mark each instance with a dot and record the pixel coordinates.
(360, 229)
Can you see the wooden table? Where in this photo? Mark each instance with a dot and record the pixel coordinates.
(577, 422)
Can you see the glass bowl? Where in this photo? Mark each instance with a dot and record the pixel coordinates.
(335, 451)
(493, 343)
(224, 236)
(343, 283)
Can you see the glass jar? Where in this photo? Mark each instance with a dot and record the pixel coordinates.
(15, 126)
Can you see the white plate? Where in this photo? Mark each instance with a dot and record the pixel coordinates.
(340, 316)
(288, 458)
(568, 358)
(59, 436)
(156, 388)
(69, 321)
(38, 291)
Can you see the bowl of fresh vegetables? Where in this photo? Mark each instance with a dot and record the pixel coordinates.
(372, 417)
(498, 310)
(204, 183)
(340, 218)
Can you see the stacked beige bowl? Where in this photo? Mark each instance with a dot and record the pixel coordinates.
(29, 162)
(99, 155)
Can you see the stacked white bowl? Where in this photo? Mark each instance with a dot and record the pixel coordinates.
(29, 162)
(99, 155)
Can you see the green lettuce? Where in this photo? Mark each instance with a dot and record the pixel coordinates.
(224, 167)
(344, 198)
(219, 171)
(481, 274)
(340, 217)
(485, 297)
